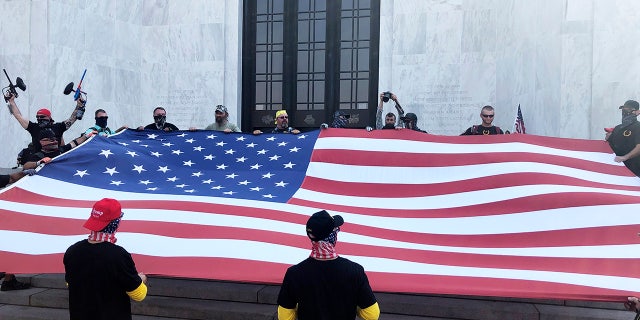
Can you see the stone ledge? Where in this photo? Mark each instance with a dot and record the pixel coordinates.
(19, 297)
(176, 298)
(32, 313)
(203, 309)
(204, 289)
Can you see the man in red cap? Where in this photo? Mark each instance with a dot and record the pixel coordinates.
(44, 121)
(101, 275)
(326, 286)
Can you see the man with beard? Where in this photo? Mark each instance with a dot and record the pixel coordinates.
(222, 121)
(160, 121)
(389, 118)
(282, 124)
(624, 139)
(44, 120)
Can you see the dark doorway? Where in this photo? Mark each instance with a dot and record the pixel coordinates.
(311, 58)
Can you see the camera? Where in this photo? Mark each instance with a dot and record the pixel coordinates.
(386, 96)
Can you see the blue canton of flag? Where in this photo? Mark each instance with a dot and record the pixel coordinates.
(267, 167)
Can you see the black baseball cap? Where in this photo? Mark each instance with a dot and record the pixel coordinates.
(321, 224)
(409, 117)
(631, 104)
(341, 113)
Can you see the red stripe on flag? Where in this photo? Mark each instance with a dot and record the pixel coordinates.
(397, 190)
(517, 205)
(427, 160)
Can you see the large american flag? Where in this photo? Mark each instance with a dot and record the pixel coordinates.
(505, 215)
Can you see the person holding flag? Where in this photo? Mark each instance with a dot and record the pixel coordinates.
(624, 139)
(486, 127)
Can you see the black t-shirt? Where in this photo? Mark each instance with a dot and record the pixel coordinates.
(623, 139)
(34, 130)
(482, 130)
(99, 276)
(285, 130)
(168, 127)
(327, 290)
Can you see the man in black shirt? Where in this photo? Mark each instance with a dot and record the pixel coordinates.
(411, 122)
(486, 127)
(282, 124)
(326, 286)
(101, 275)
(44, 120)
(625, 137)
(160, 121)
(49, 148)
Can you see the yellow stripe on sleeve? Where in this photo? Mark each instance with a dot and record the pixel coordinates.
(139, 293)
(369, 313)
(286, 314)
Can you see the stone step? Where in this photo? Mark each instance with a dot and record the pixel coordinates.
(174, 298)
(170, 307)
(11, 312)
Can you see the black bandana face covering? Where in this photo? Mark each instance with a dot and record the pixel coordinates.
(102, 122)
(628, 117)
(160, 121)
(333, 237)
(43, 123)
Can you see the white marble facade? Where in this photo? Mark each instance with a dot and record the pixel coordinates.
(569, 63)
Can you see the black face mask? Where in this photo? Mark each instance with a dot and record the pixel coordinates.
(160, 121)
(389, 126)
(102, 122)
(626, 112)
(43, 123)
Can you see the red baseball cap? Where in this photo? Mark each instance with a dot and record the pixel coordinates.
(103, 212)
(44, 112)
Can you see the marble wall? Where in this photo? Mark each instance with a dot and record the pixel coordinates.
(569, 64)
(182, 55)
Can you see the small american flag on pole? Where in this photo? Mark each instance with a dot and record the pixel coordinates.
(519, 124)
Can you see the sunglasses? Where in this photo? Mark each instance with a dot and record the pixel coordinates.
(41, 117)
(487, 115)
(283, 117)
